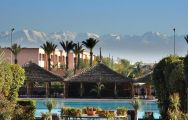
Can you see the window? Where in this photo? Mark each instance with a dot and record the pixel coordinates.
(43, 57)
(60, 58)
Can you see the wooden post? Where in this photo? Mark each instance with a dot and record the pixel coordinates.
(81, 89)
(115, 90)
(28, 88)
(132, 90)
(47, 92)
(66, 89)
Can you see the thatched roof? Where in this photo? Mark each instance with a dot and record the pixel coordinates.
(97, 73)
(34, 72)
(147, 78)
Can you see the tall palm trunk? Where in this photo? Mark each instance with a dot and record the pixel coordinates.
(49, 63)
(91, 57)
(15, 60)
(78, 64)
(75, 64)
(67, 61)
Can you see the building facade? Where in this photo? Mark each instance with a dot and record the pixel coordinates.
(38, 56)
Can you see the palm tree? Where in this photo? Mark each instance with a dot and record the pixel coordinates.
(15, 49)
(51, 104)
(48, 48)
(77, 50)
(67, 46)
(98, 88)
(90, 44)
(186, 38)
(136, 105)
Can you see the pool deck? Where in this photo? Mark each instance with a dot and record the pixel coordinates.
(80, 99)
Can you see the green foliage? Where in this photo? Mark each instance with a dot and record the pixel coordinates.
(71, 111)
(67, 46)
(11, 79)
(105, 60)
(18, 80)
(48, 48)
(46, 116)
(90, 43)
(68, 73)
(136, 104)
(168, 79)
(6, 78)
(125, 68)
(77, 50)
(98, 88)
(121, 111)
(51, 104)
(2, 53)
(25, 110)
(15, 49)
(84, 64)
(6, 108)
(173, 111)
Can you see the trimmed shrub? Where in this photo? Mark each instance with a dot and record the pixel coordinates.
(25, 110)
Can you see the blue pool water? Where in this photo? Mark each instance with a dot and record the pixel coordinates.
(112, 104)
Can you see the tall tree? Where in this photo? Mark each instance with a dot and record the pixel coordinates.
(15, 49)
(168, 78)
(48, 48)
(90, 44)
(77, 50)
(67, 46)
(186, 38)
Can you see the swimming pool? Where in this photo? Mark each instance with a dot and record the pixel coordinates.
(107, 104)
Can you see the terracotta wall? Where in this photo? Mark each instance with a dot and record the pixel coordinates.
(26, 55)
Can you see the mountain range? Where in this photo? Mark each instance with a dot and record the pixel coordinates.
(148, 47)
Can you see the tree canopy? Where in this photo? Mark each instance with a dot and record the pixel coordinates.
(168, 78)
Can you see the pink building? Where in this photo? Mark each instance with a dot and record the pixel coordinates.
(38, 56)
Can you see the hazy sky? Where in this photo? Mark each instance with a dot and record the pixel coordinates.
(123, 17)
(132, 17)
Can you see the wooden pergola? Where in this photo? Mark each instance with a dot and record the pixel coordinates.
(38, 75)
(115, 84)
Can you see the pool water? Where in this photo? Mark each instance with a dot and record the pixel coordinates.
(112, 104)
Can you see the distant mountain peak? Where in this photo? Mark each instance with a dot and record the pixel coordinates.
(149, 44)
(93, 35)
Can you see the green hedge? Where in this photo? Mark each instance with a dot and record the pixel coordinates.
(25, 110)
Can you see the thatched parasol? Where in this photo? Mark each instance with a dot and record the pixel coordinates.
(36, 73)
(99, 72)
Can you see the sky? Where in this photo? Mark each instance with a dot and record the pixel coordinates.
(133, 17)
(126, 17)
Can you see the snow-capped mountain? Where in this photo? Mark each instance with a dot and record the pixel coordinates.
(150, 44)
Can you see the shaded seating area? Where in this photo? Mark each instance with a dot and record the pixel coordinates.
(143, 87)
(87, 84)
(41, 82)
